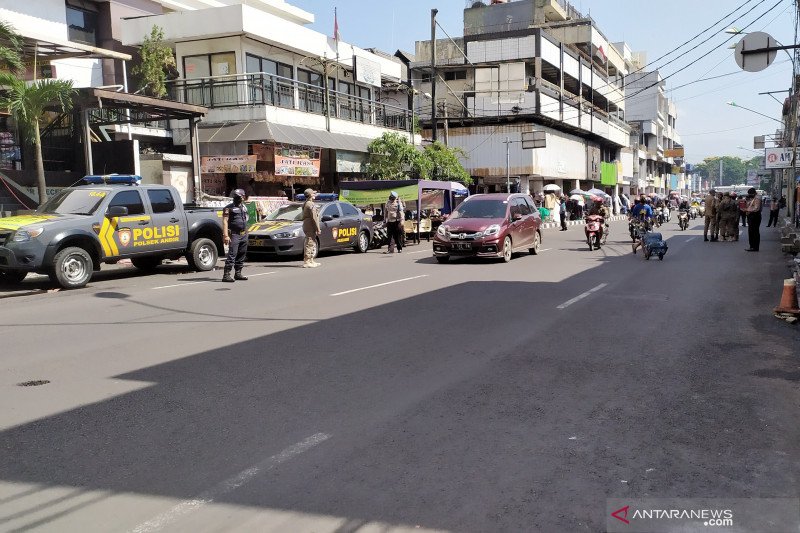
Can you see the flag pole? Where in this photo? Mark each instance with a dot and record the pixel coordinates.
(336, 64)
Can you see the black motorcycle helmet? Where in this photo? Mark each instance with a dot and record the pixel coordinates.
(238, 195)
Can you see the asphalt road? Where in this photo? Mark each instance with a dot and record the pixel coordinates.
(391, 393)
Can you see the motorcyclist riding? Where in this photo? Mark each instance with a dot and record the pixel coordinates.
(599, 209)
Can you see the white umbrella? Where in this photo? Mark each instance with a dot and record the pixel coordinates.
(578, 198)
(551, 187)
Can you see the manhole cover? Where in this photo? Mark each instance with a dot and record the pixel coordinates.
(34, 383)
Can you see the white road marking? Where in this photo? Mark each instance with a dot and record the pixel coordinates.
(378, 285)
(229, 485)
(582, 296)
(207, 281)
(421, 252)
(691, 239)
(545, 250)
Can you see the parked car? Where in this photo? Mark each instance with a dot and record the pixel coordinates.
(490, 225)
(281, 233)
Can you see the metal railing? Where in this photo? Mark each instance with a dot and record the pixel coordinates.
(263, 89)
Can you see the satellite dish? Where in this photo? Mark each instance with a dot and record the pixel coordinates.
(755, 61)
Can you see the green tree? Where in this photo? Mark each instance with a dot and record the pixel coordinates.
(10, 49)
(156, 60)
(734, 169)
(445, 164)
(392, 157)
(28, 103)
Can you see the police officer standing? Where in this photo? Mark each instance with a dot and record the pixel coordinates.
(234, 231)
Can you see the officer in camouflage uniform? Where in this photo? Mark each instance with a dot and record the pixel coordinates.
(234, 231)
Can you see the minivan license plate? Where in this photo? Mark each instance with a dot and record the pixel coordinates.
(462, 246)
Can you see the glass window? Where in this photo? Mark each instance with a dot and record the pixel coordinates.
(291, 212)
(81, 26)
(522, 206)
(223, 64)
(330, 210)
(130, 199)
(161, 200)
(480, 209)
(364, 92)
(345, 87)
(309, 77)
(73, 202)
(455, 75)
(284, 71)
(253, 64)
(349, 211)
(196, 67)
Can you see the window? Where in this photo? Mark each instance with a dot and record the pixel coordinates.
(257, 64)
(426, 77)
(206, 65)
(130, 199)
(455, 75)
(161, 200)
(364, 92)
(309, 77)
(349, 211)
(522, 206)
(81, 26)
(331, 210)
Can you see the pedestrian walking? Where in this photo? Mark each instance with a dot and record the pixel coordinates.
(710, 216)
(562, 211)
(311, 229)
(753, 220)
(743, 210)
(234, 234)
(774, 211)
(395, 216)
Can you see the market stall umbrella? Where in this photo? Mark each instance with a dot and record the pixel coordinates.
(578, 198)
(596, 192)
(578, 191)
(551, 187)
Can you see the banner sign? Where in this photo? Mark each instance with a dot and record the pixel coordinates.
(780, 158)
(297, 161)
(213, 184)
(367, 72)
(677, 152)
(433, 199)
(608, 173)
(409, 193)
(350, 162)
(752, 177)
(222, 164)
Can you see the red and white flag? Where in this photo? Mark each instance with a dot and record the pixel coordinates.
(336, 35)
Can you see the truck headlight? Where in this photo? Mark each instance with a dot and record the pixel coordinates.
(25, 235)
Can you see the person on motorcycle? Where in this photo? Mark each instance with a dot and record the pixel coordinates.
(599, 209)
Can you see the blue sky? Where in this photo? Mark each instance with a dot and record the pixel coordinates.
(707, 125)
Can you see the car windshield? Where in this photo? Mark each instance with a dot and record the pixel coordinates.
(73, 202)
(293, 213)
(480, 209)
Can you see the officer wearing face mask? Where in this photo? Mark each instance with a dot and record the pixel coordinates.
(234, 231)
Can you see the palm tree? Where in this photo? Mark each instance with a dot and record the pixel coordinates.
(10, 49)
(28, 102)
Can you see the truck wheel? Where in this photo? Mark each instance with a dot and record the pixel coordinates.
(146, 263)
(202, 255)
(72, 268)
(12, 277)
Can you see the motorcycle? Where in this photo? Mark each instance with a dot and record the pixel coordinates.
(693, 212)
(659, 217)
(593, 230)
(666, 213)
(683, 219)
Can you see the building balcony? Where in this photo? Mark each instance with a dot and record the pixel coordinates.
(268, 90)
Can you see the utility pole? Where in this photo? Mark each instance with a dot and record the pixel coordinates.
(434, 74)
(446, 125)
(720, 171)
(508, 165)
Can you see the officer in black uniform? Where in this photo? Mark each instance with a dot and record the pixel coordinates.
(234, 231)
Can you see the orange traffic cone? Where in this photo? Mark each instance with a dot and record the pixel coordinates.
(788, 298)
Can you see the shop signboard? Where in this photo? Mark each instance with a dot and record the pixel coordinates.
(779, 158)
(367, 71)
(297, 161)
(213, 184)
(409, 193)
(608, 174)
(223, 164)
(752, 178)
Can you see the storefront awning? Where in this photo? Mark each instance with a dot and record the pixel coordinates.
(281, 133)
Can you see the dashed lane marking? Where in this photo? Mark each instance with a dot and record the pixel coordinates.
(378, 285)
(582, 296)
(229, 485)
(207, 281)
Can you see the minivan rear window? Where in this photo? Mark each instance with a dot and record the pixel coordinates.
(481, 209)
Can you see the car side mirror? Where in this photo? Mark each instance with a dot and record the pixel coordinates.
(327, 218)
(516, 216)
(117, 211)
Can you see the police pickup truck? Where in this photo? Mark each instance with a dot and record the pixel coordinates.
(109, 219)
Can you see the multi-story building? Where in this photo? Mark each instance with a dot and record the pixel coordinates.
(529, 65)
(656, 144)
(289, 106)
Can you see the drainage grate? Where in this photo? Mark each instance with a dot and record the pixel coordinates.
(34, 383)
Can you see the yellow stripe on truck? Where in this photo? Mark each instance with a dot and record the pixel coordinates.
(102, 237)
(15, 223)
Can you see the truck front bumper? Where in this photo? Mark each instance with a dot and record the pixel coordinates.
(21, 256)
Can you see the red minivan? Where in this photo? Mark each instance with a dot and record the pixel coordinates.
(490, 225)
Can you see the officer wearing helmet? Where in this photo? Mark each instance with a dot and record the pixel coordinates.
(234, 231)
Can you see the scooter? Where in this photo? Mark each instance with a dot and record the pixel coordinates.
(666, 213)
(659, 217)
(693, 212)
(593, 230)
(683, 220)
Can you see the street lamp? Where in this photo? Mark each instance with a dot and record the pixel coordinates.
(748, 149)
(734, 104)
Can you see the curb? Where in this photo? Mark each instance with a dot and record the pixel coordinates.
(555, 225)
